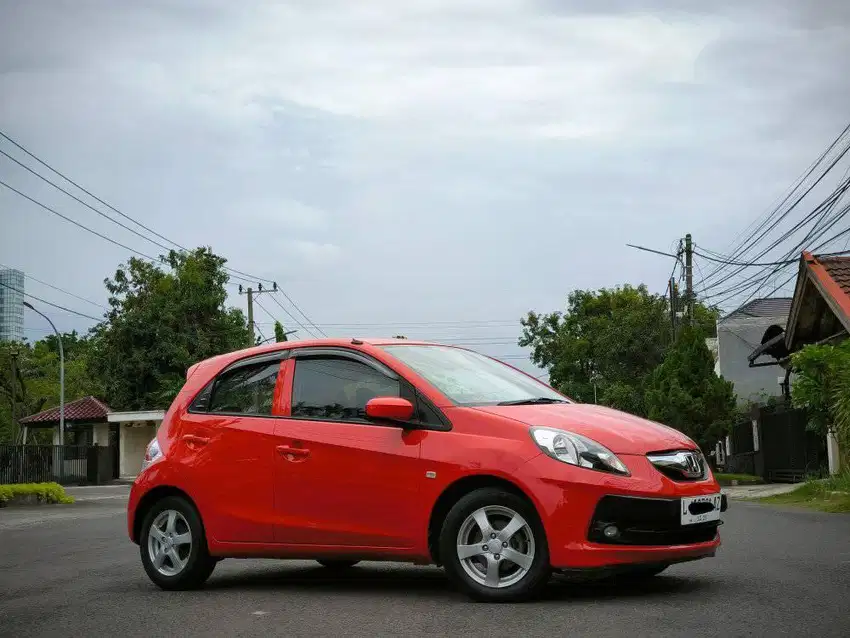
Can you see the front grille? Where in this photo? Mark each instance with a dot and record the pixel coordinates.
(646, 521)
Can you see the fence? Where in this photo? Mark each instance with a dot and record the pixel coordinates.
(64, 464)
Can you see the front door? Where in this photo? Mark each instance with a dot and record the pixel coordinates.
(341, 480)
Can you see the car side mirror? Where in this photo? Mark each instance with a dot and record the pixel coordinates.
(389, 409)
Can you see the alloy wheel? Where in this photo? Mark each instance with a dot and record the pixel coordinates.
(495, 546)
(169, 542)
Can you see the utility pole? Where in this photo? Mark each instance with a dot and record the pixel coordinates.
(673, 307)
(61, 378)
(251, 294)
(689, 278)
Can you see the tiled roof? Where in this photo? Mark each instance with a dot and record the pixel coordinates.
(85, 409)
(769, 307)
(839, 269)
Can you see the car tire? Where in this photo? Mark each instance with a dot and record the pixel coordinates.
(481, 564)
(173, 545)
(337, 564)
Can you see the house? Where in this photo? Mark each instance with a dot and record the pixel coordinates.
(819, 314)
(89, 422)
(738, 334)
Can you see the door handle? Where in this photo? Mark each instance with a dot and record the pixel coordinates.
(292, 453)
(194, 439)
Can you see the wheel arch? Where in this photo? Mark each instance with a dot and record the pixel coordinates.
(456, 491)
(150, 498)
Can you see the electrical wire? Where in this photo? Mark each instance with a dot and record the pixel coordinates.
(291, 316)
(245, 276)
(50, 303)
(62, 290)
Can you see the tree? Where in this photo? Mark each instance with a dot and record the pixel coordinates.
(822, 387)
(36, 386)
(685, 393)
(279, 332)
(160, 323)
(610, 338)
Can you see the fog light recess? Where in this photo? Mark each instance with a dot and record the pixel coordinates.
(611, 531)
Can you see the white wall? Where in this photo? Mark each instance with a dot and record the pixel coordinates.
(133, 442)
(736, 340)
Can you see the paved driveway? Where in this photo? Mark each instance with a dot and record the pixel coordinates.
(70, 571)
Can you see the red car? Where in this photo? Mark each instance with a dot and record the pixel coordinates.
(349, 450)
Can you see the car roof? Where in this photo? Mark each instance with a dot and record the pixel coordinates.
(228, 357)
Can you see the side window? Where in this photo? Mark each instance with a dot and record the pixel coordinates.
(337, 388)
(246, 390)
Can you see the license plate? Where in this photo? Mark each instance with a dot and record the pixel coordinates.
(700, 509)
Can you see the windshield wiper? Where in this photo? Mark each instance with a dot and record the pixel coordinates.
(533, 401)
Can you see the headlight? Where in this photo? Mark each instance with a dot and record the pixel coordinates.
(577, 450)
(152, 454)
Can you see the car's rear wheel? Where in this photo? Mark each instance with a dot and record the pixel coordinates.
(493, 547)
(173, 546)
(337, 564)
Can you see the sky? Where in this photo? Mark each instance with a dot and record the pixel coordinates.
(433, 168)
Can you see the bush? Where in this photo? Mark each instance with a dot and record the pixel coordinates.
(43, 493)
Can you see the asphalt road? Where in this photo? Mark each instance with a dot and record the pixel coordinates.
(70, 571)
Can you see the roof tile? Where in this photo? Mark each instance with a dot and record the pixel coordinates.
(85, 409)
(839, 269)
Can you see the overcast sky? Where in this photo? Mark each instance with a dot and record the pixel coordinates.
(415, 161)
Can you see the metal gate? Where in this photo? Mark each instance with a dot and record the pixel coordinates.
(791, 452)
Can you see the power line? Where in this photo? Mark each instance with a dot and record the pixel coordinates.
(78, 224)
(291, 316)
(50, 303)
(62, 290)
(247, 276)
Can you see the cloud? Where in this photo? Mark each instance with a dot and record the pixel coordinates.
(484, 156)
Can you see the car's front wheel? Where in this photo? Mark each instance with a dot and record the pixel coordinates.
(494, 548)
(173, 546)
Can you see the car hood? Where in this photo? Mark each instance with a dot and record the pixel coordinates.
(620, 432)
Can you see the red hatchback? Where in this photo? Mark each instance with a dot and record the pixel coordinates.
(349, 450)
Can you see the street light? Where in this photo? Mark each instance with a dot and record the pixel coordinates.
(61, 375)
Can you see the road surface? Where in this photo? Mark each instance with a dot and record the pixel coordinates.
(71, 571)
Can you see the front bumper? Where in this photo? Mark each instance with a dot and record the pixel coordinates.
(576, 504)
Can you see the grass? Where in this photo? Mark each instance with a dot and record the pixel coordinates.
(743, 479)
(825, 495)
(43, 492)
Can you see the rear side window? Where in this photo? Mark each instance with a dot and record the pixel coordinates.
(337, 389)
(245, 390)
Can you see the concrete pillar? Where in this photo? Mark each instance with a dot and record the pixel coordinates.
(833, 453)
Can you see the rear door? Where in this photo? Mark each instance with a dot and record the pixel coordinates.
(341, 480)
(227, 445)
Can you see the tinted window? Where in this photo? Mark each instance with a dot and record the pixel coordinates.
(337, 389)
(246, 390)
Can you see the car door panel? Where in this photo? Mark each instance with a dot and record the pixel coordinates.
(228, 453)
(354, 484)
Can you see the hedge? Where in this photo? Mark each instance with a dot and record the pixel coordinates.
(42, 492)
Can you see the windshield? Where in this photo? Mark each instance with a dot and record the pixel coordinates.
(469, 378)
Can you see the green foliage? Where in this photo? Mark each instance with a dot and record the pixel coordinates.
(37, 384)
(685, 393)
(611, 338)
(822, 386)
(279, 332)
(43, 492)
(160, 323)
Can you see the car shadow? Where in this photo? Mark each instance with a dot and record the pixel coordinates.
(405, 581)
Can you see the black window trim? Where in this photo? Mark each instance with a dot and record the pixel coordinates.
(209, 387)
(311, 352)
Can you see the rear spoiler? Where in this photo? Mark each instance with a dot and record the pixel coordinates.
(192, 370)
